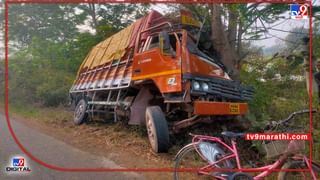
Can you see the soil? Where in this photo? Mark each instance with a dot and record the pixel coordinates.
(127, 146)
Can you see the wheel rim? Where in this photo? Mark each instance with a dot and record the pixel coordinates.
(190, 159)
(150, 130)
(79, 111)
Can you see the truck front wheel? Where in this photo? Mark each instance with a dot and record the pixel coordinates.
(80, 114)
(157, 127)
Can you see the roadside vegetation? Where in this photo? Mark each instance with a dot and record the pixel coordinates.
(46, 50)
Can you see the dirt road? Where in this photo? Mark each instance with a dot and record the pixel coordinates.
(51, 151)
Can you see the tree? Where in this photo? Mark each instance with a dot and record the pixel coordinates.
(242, 20)
(221, 43)
(51, 48)
(231, 25)
(55, 23)
(316, 39)
(116, 16)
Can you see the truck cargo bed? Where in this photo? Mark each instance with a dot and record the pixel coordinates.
(115, 74)
(109, 64)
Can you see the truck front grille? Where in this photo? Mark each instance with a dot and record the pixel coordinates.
(222, 88)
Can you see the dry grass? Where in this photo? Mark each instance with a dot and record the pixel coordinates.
(120, 142)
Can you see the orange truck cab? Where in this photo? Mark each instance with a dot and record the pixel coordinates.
(161, 80)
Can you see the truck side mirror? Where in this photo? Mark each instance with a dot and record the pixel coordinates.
(164, 43)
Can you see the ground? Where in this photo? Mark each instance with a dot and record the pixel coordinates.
(125, 145)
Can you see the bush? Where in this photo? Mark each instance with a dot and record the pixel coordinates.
(275, 98)
(43, 73)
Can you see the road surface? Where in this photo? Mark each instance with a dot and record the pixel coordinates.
(54, 152)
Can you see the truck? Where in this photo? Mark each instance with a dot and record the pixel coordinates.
(152, 73)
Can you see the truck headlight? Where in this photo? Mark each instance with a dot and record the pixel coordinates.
(205, 86)
(196, 85)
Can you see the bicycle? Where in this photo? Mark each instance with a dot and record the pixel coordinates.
(212, 157)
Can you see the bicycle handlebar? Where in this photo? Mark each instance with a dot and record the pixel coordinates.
(291, 116)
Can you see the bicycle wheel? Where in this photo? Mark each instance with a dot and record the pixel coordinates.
(189, 158)
(240, 176)
(297, 175)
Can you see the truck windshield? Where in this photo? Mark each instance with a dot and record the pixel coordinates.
(192, 47)
(154, 42)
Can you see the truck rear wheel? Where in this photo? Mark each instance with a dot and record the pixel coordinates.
(157, 127)
(80, 114)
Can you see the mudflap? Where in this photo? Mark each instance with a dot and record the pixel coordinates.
(139, 106)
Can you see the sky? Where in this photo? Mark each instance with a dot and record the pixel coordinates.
(286, 24)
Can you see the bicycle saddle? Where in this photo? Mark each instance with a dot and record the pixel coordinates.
(230, 134)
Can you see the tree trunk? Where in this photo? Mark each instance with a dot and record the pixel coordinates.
(239, 43)
(232, 26)
(92, 13)
(221, 43)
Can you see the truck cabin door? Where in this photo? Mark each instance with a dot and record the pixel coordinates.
(159, 60)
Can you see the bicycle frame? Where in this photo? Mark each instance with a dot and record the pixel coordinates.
(265, 170)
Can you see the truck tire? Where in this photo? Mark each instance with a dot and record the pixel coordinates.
(157, 128)
(80, 114)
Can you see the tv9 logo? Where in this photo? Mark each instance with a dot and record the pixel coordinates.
(299, 11)
(18, 161)
(18, 165)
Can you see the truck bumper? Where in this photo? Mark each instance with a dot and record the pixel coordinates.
(219, 108)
